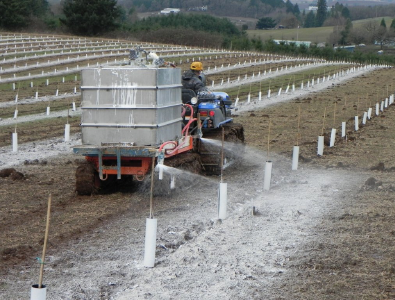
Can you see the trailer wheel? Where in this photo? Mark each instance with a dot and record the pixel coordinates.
(87, 179)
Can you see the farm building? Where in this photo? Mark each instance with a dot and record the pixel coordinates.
(167, 11)
(297, 43)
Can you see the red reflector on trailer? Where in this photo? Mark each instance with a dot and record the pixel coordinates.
(212, 113)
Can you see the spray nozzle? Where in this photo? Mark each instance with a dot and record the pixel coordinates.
(199, 132)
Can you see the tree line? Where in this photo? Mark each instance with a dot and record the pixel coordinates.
(17, 14)
(230, 8)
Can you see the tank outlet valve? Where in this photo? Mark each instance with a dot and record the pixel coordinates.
(161, 158)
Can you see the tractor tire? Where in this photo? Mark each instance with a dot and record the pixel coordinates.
(87, 179)
(188, 161)
(210, 148)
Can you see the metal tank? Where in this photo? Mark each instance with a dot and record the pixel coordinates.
(130, 106)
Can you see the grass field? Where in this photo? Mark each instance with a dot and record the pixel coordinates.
(315, 35)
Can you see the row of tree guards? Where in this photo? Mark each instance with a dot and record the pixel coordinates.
(55, 72)
(66, 129)
(70, 70)
(14, 85)
(367, 115)
(291, 88)
(151, 223)
(124, 54)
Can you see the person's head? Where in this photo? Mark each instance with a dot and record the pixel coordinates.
(197, 66)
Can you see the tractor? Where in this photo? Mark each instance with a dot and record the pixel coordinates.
(138, 115)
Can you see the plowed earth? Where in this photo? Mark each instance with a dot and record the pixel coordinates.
(325, 231)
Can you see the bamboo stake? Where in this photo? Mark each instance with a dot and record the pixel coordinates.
(40, 280)
(334, 116)
(68, 109)
(323, 122)
(297, 136)
(268, 142)
(238, 91)
(152, 189)
(222, 151)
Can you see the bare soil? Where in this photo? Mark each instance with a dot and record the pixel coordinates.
(324, 231)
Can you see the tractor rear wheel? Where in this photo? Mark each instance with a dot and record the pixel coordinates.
(210, 148)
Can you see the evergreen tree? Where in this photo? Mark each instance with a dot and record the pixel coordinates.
(392, 23)
(321, 13)
(289, 7)
(296, 10)
(13, 14)
(381, 35)
(345, 33)
(382, 23)
(265, 23)
(90, 17)
(346, 13)
(310, 20)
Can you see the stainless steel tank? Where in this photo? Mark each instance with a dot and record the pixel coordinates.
(129, 105)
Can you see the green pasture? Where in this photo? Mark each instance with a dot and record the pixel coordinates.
(314, 35)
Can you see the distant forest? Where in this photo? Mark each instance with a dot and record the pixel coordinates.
(230, 8)
(250, 8)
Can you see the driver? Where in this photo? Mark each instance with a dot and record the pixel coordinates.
(194, 80)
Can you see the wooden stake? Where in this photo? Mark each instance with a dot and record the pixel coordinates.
(40, 280)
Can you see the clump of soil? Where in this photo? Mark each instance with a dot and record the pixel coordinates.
(12, 173)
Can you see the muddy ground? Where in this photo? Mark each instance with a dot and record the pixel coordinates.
(325, 231)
